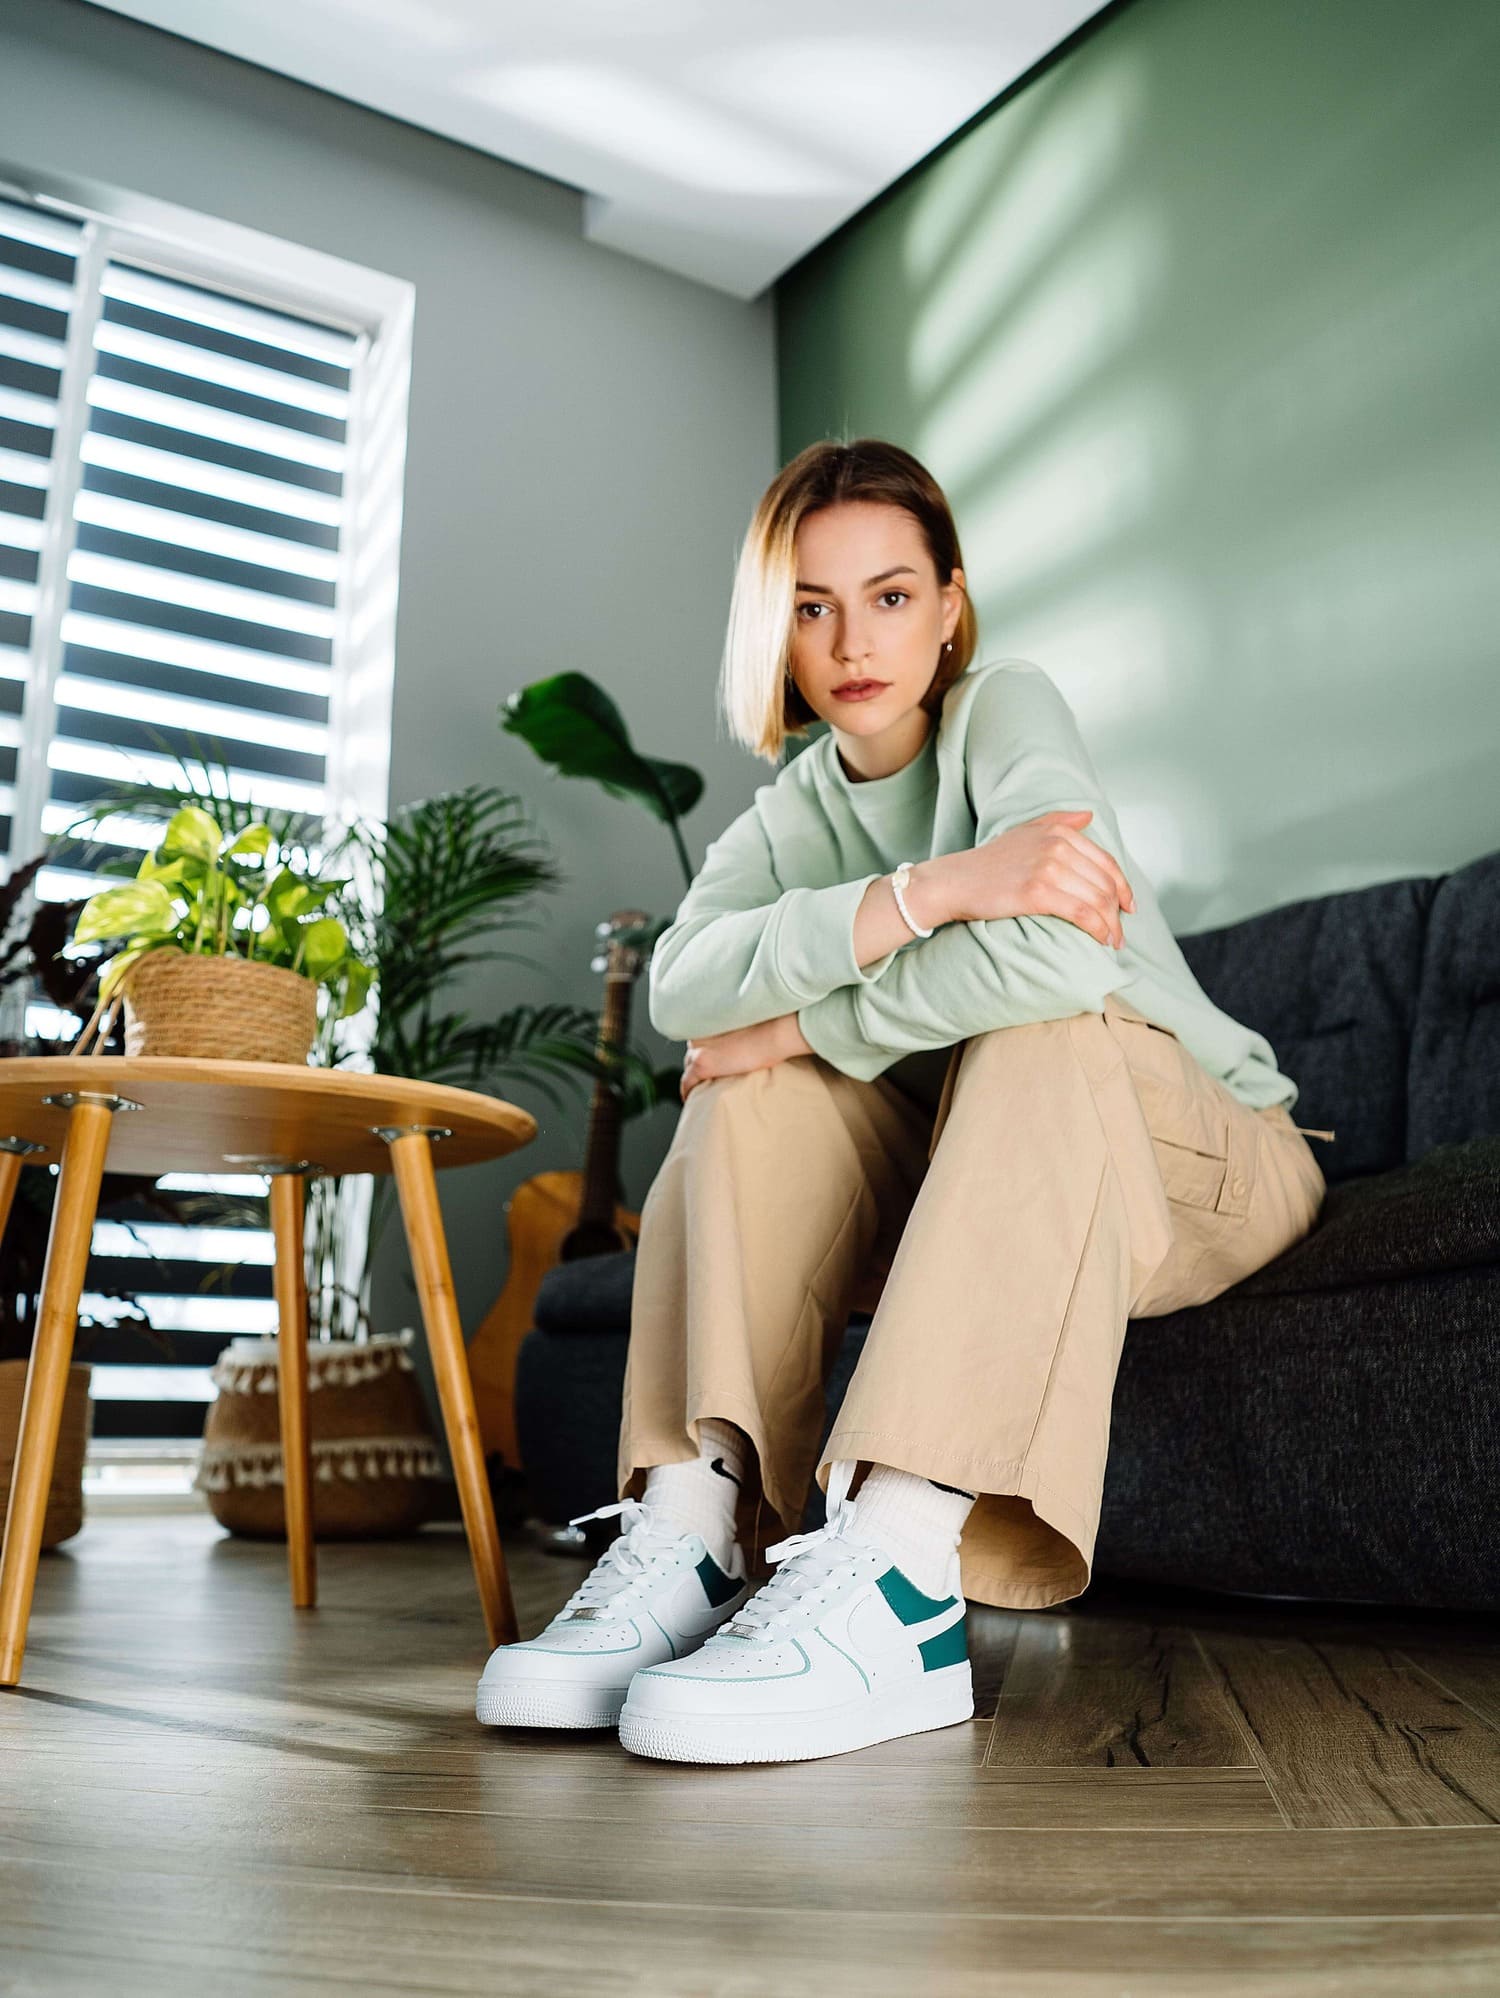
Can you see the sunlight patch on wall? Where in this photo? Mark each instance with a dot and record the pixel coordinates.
(974, 236)
(1069, 327)
(1084, 485)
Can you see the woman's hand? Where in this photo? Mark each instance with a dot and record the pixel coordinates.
(1045, 867)
(743, 1048)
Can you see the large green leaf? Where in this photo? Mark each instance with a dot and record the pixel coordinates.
(138, 909)
(253, 841)
(573, 724)
(325, 944)
(192, 832)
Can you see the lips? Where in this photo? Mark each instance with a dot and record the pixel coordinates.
(860, 690)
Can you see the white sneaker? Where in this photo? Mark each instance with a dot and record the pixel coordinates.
(837, 1651)
(653, 1594)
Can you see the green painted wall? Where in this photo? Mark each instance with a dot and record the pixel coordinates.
(1200, 331)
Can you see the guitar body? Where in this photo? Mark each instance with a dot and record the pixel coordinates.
(542, 1213)
(555, 1217)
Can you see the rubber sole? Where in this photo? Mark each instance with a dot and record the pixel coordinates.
(544, 1703)
(938, 1699)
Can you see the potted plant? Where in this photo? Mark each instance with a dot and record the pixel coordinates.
(224, 939)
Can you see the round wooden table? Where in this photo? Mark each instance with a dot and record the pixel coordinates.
(153, 1115)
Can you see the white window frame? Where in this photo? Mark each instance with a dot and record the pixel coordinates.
(175, 242)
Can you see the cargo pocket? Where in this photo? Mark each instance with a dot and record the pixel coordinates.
(1206, 1144)
(1219, 1179)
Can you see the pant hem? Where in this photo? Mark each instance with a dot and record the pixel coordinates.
(987, 1578)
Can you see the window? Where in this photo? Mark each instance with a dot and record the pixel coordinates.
(201, 446)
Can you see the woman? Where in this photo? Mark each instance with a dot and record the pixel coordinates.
(936, 1030)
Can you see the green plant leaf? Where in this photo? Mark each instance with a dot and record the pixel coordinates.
(325, 944)
(191, 831)
(119, 964)
(140, 908)
(253, 842)
(185, 869)
(573, 724)
(359, 979)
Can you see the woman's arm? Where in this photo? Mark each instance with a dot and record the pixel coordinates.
(1026, 758)
(741, 950)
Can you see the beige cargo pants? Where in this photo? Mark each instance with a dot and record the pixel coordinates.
(1076, 1173)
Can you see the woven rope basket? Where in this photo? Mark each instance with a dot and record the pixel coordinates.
(221, 1008)
(374, 1459)
(64, 1514)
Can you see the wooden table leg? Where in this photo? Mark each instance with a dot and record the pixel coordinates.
(416, 1184)
(10, 1176)
(47, 1375)
(287, 1203)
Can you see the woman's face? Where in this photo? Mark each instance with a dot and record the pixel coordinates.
(869, 607)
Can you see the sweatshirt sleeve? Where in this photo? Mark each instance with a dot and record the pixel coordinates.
(1025, 757)
(740, 949)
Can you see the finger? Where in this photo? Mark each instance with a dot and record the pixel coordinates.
(1085, 916)
(1083, 876)
(1084, 910)
(1092, 851)
(1078, 812)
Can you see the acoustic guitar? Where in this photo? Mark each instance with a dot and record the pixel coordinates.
(556, 1217)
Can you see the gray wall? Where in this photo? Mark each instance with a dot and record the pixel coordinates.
(1199, 330)
(588, 436)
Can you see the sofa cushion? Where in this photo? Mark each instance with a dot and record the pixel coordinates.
(590, 1294)
(1454, 1075)
(1332, 984)
(1440, 1213)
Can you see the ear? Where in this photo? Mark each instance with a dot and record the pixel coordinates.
(954, 591)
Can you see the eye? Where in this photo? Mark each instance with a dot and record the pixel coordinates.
(902, 594)
(809, 606)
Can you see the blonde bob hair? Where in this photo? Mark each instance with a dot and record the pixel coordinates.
(757, 693)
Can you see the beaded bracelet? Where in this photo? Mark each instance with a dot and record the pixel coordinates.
(898, 881)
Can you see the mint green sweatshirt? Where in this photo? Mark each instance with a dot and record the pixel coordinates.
(767, 926)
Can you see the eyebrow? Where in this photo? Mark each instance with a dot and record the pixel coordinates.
(823, 589)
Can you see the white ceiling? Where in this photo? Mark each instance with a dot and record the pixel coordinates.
(720, 142)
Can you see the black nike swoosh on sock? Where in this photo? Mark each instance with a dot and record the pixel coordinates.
(723, 1470)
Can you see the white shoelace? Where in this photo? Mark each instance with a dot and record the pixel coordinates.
(627, 1561)
(804, 1563)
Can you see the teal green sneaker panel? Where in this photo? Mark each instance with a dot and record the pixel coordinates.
(717, 1586)
(949, 1647)
(907, 1600)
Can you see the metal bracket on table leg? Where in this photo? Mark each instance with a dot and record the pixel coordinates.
(69, 1099)
(433, 1132)
(275, 1168)
(21, 1148)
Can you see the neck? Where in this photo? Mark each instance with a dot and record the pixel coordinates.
(865, 757)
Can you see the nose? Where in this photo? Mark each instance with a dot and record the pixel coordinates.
(852, 644)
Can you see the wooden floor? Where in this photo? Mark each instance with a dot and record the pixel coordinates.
(204, 1792)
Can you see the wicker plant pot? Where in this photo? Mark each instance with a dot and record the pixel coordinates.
(64, 1514)
(374, 1461)
(222, 1008)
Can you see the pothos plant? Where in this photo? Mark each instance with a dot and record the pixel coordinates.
(239, 891)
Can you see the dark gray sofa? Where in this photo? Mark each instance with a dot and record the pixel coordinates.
(1327, 1428)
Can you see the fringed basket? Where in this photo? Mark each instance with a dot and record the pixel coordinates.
(375, 1463)
(219, 1008)
(64, 1515)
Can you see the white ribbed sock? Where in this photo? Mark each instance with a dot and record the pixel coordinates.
(914, 1521)
(700, 1496)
